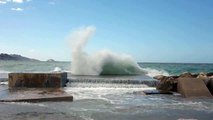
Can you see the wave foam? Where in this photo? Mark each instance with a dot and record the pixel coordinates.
(153, 72)
(3, 71)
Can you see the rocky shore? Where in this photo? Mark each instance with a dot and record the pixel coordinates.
(170, 83)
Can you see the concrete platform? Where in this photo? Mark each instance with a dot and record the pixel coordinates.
(34, 95)
(192, 87)
(37, 80)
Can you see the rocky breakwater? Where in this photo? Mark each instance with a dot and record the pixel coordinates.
(189, 81)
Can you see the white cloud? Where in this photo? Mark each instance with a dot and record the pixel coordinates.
(14, 1)
(17, 9)
(4, 1)
(18, 1)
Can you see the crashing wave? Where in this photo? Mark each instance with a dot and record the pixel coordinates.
(104, 62)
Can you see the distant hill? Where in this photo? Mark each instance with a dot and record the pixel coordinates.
(4, 56)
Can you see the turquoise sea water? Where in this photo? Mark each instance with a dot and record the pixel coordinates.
(151, 68)
(178, 68)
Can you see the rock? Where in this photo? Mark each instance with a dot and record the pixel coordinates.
(159, 77)
(37, 80)
(186, 75)
(210, 85)
(168, 84)
(209, 74)
(194, 75)
(175, 77)
(203, 77)
(192, 87)
(210, 77)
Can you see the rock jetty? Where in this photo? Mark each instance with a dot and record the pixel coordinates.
(172, 83)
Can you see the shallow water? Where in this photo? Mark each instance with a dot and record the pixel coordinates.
(112, 103)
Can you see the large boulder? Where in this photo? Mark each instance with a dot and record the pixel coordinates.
(209, 74)
(168, 84)
(160, 77)
(202, 75)
(186, 75)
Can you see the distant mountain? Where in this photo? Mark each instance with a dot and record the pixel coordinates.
(4, 56)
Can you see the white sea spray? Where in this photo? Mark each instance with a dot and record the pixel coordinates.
(102, 62)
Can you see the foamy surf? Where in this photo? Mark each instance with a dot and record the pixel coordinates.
(154, 72)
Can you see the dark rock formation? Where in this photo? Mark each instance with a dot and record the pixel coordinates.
(209, 74)
(210, 85)
(168, 84)
(186, 75)
(160, 77)
(4, 56)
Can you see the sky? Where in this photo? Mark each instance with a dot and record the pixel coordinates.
(148, 30)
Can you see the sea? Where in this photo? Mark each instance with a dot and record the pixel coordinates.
(109, 97)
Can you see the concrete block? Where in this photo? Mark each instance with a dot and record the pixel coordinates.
(37, 80)
(34, 95)
(41, 99)
(192, 87)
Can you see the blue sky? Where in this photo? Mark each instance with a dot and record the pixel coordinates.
(148, 30)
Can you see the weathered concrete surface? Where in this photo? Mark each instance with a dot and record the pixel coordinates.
(40, 99)
(34, 95)
(37, 80)
(192, 87)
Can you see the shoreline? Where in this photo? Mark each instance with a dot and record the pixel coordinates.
(111, 103)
